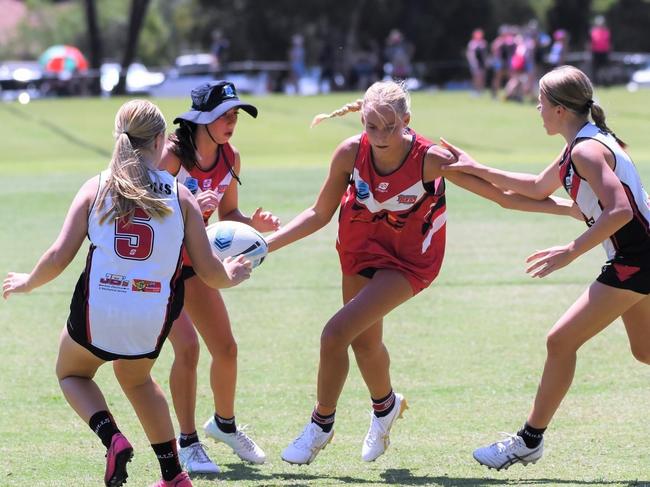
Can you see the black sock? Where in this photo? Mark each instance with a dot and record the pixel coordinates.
(381, 407)
(168, 459)
(326, 423)
(227, 425)
(185, 440)
(532, 436)
(103, 424)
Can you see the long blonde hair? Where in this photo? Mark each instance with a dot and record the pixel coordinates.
(137, 124)
(382, 93)
(571, 88)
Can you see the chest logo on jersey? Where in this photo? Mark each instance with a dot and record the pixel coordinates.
(383, 187)
(206, 184)
(222, 188)
(114, 283)
(363, 190)
(568, 179)
(406, 199)
(144, 286)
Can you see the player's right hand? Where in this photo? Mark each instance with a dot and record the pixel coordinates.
(207, 200)
(15, 282)
(237, 268)
(462, 160)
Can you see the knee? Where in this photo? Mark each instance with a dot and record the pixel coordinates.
(558, 344)
(642, 354)
(225, 350)
(331, 340)
(186, 355)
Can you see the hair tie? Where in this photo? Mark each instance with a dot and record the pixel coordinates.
(589, 104)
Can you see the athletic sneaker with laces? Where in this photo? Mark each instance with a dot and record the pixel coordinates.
(117, 456)
(194, 459)
(510, 450)
(377, 439)
(239, 441)
(304, 449)
(181, 480)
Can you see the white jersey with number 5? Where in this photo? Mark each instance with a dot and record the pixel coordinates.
(131, 275)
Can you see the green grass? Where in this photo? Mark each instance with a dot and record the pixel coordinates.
(467, 352)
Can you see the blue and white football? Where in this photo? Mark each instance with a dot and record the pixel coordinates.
(230, 239)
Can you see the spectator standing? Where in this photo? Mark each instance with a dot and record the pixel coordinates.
(601, 46)
(398, 54)
(477, 58)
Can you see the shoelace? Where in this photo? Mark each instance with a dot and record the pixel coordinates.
(507, 443)
(306, 438)
(198, 453)
(376, 431)
(243, 439)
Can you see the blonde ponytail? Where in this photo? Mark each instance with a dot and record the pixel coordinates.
(129, 185)
(354, 106)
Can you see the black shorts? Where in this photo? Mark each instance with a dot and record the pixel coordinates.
(187, 272)
(625, 275)
(79, 314)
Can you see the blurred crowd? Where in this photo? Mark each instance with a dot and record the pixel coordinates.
(512, 64)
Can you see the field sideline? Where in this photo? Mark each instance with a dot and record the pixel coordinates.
(466, 353)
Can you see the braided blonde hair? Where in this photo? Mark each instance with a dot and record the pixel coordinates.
(571, 88)
(382, 93)
(137, 124)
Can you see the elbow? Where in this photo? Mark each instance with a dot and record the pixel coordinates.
(624, 214)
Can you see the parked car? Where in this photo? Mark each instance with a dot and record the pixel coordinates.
(196, 64)
(640, 78)
(20, 75)
(138, 78)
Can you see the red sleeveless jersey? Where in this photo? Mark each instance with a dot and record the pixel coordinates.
(216, 178)
(393, 221)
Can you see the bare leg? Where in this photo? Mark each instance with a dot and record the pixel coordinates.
(146, 397)
(637, 325)
(75, 369)
(594, 310)
(207, 310)
(385, 291)
(369, 349)
(182, 377)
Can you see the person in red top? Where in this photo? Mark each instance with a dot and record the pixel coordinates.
(601, 46)
(391, 240)
(200, 155)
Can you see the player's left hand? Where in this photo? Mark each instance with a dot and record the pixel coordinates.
(15, 282)
(264, 221)
(543, 262)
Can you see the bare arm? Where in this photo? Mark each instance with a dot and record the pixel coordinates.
(320, 213)
(534, 186)
(63, 250)
(207, 266)
(591, 161)
(438, 158)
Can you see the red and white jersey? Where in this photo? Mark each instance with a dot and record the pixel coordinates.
(131, 271)
(632, 241)
(393, 221)
(216, 178)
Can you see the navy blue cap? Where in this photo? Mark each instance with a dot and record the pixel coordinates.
(211, 100)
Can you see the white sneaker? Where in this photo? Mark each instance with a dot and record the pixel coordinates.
(194, 459)
(507, 452)
(242, 445)
(377, 439)
(304, 449)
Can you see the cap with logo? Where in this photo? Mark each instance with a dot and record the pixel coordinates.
(211, 100)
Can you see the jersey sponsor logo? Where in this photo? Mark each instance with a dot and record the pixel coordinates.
(222, 188)
(206, 184)
(114, 283)
(164, 188)
(406, 199)
(144, 286)
(383, 187)
(363, 190)
(568, 178)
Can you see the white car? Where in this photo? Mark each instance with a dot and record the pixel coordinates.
(138, 78)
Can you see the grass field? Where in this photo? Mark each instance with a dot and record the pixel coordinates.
(467, 352)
